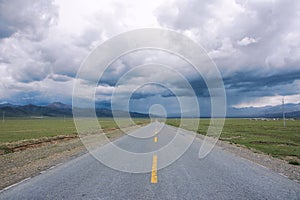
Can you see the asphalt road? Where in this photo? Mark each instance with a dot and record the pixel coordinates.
(220, 175)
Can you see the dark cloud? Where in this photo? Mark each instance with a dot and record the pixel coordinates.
(141, 95)
(156, 91)
(255, 81)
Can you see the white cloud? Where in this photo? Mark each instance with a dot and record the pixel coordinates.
(270, 101)
(246, 41)
(226, 50)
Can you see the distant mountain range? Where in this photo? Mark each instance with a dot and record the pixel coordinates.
(291, 111)
(58, 109)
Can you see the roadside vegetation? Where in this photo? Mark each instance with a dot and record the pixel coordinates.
(16, 133)
(267, 136)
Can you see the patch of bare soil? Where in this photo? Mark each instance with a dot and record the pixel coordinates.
(33, 143)
(19, 165)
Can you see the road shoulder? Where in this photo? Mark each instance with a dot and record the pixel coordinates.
(279, 166)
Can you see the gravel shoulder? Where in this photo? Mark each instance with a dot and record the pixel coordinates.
(279, 166)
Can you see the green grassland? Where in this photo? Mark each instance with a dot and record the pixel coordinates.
(264, 136)
(13, 130)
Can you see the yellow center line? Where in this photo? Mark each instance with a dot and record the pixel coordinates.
(155, 139)
(154, 170)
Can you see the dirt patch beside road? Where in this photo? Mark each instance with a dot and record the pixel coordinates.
(33, 143)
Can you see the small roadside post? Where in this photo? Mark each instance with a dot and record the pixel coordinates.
(3, 116)
(283, 114)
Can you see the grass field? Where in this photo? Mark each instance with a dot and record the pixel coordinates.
(13, 130)
(265, 136)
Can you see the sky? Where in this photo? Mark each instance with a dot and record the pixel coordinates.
(255, 45)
